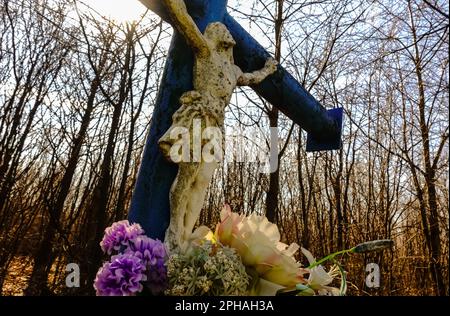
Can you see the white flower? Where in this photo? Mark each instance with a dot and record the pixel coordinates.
(319, 279)
(257, 241)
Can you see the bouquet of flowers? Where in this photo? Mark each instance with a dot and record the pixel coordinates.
(137, 265)
(243, 256)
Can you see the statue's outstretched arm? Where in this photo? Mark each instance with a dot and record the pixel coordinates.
(251, 78)
(186, 26)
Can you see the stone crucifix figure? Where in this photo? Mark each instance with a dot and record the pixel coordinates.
(150, 203)
(214, 78)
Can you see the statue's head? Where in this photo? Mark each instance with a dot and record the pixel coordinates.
(218, 34)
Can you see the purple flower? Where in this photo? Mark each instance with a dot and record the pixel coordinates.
(119, 235)
(153, 254)
(122, 276)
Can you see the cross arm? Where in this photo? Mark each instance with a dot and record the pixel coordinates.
(283, 91)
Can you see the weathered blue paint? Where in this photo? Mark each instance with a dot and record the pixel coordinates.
(333, 142)
(150, 201)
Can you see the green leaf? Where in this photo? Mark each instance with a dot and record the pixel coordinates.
(343, 288)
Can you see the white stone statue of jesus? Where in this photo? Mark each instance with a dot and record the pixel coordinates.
(214, 78)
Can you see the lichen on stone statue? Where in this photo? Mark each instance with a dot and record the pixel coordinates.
(214, 78)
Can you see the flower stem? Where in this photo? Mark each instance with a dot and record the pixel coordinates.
(329, 257)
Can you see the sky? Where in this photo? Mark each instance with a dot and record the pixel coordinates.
(118, 10)
(129, 10)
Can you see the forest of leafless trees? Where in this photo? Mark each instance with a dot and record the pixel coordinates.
(76, 97)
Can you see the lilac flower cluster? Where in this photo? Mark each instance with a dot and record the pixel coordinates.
(139, 262)
(122, 276)
(119, 235)
(153, 253)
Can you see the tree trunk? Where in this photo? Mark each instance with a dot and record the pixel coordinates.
(45, 256)
(274, 178)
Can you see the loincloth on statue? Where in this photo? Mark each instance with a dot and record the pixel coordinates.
(194, 106)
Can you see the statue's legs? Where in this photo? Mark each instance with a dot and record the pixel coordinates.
(188, 190)
(197, 197)
(186, 200)
(179, 202)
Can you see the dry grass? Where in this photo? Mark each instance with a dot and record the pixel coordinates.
(18, 274)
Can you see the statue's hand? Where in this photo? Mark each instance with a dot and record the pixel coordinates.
(255, 77)
(271, 65)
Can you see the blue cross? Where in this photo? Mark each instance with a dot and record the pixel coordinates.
(150, 201)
